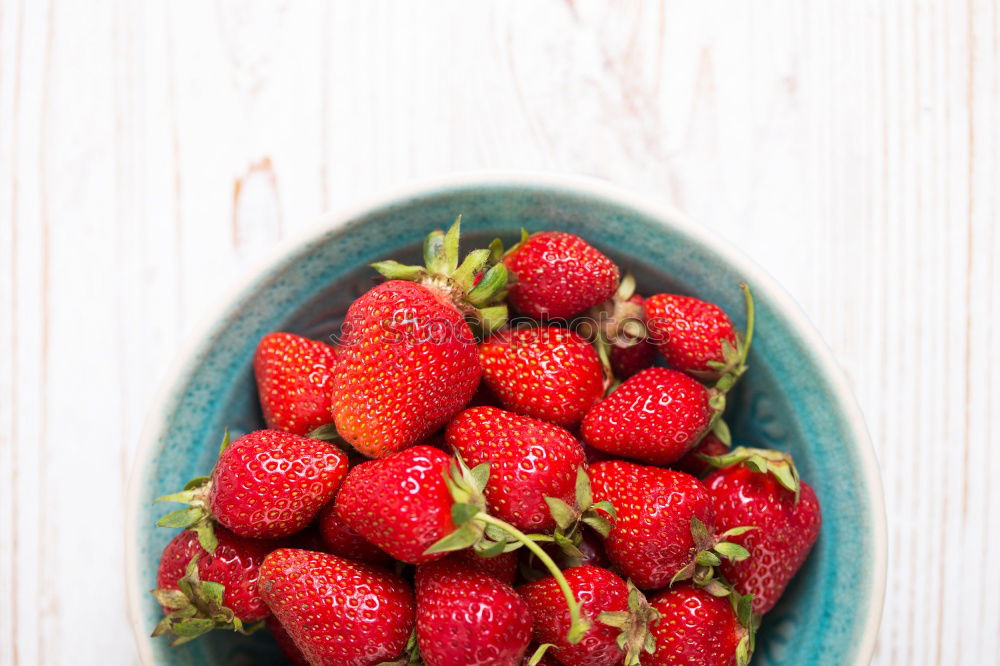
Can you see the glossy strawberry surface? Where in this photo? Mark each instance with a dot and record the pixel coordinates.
(400, 503)
(556, 275)
(235, 566)
(656, 416)
(529, 461)
(468, 618)
(598, 591)
(696, 629)
(546, 372)
(270, 483)
(407, 364)
(651, 538)
(341, 540)
(294, 379)
(503, 567)
(338, 612)
(688, 332)
(786, 530)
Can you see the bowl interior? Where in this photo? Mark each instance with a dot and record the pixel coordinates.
(786, 400)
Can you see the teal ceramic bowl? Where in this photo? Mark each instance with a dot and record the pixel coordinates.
(793, 398)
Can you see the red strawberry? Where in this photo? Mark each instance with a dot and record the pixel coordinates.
(408, 360)
(400, 503)
(465, 616)
(294, 377)
(530, 460)
(655, 417)
(419, 504)
(285, 643)
(629, 361)
(661, 526)
(617, 612)
(503, 567)
(762, 488)
(697, 337)
(547, 373)
(342, 541)
(200, 592)
(621, 322)
(692, 463)
(699, 629)
(556, 275)
(338, 612)
(265, 485)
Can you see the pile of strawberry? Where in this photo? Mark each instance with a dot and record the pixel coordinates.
(449, 487)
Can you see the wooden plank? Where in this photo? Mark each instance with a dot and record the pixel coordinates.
(152, 152)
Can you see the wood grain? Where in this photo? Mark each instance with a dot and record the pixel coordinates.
(151, 152)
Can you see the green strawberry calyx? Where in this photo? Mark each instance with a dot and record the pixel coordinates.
(195, 608)
(635, 637)
(476, 287)
(710, 550)
(570, 520)
(197, 516)
(778, 464)
(489, 536)
(734, 362)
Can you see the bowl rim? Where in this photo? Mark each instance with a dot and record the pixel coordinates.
(661, 211)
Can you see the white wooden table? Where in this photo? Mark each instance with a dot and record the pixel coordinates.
(150, 152)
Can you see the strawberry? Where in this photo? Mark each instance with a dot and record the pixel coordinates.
(661, 531)
(489, 536)
(465, 616)
(630, 360)
(619, 631)
(285, 643)
(693, 463)
(697, 337)
(762, 488)
(265, 485)
(342, 541)
(419, 504)
(338, 612)
(656, 417)
(556, 275)
(530, 460)
(617, 328)
(503, 567)
(408, 360)
(400, 503)
(200, 591)
(697, 628)
(294, 377)
(547, 373)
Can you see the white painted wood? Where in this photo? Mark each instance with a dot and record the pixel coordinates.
(150, 152)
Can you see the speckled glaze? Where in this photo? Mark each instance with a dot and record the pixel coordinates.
(793, 398)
